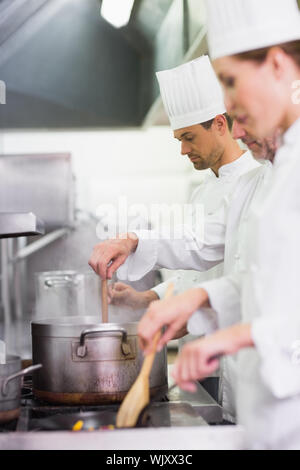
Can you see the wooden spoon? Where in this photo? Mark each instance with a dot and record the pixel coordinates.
(139, 394)
(104, 301)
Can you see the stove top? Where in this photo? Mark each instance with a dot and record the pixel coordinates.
(42, 425)
(37, 415)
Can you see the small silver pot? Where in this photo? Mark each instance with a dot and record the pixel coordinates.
(62, 293)
(11, 374)
(88, 362)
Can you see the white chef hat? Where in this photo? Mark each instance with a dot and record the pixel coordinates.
(236, 26)
(191, 93)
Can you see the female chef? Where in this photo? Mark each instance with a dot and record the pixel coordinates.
(255, 48)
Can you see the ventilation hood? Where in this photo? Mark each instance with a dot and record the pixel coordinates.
(64, 66)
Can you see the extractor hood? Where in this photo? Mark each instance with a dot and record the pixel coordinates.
(62, 61)
(69, 67)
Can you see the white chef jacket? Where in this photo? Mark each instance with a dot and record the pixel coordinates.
(159, 252)
(268, 386)
(216, 194)
(225, 292)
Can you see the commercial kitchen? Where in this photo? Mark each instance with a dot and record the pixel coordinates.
(87, 152)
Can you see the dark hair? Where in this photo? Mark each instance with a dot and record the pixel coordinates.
(207, 125)
(259, 55)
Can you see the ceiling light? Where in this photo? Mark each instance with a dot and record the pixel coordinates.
(117, 12)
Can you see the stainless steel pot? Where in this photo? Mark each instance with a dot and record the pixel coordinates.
(10, 387)
(61, 293)
(88, 362)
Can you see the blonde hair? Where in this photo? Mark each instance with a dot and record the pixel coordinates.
(259, 55)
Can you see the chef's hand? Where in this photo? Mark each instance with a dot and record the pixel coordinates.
(122, 294)
(113, 253)
(172, 313)
(199, 359)
(181, 333)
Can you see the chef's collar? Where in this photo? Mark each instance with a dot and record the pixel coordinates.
(282, 157)
(292, 133)
(237, 166)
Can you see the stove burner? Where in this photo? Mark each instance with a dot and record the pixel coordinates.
(37, 415)
(89, 421)
(26, 392)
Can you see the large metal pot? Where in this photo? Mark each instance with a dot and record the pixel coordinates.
(10, 387)
(88, 362)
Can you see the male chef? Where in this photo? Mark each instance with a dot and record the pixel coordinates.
(193, 100)
(194, 103)
(123, 294)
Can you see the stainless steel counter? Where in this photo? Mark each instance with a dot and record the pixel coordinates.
(177, 438)
(201, 401)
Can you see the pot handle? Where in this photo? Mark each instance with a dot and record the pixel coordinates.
(59, 281)
(81, 350)
(21, 373)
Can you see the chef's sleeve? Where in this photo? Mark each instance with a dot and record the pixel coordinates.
(189, 250)
(203, 322)
(276, 326)
(277, 341)
(225, 299)
(161, 288)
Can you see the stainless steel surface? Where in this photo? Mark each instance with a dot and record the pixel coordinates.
(12, 225)
(5, 285)
(11, 400)
(179, 427)
(62, 293)
(174, 438)
(45, 187)
(70, 327)
(21, 373)
(35, 246)
(201, 401)
(158, 415)
(105, 370)
(174, 414)
(102, 329)
(20, 224)
(10, 385)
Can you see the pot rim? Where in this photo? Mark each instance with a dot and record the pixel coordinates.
(63, 272)
(11, 359)
(13, 364)
(73, 326)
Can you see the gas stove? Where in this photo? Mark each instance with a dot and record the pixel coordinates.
(60, 423)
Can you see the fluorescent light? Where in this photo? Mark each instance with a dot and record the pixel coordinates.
(117, 12)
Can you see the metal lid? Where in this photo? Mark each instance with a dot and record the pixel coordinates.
(70, 327)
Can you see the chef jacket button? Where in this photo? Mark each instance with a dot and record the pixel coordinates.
(253, 268)
(237, 256)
